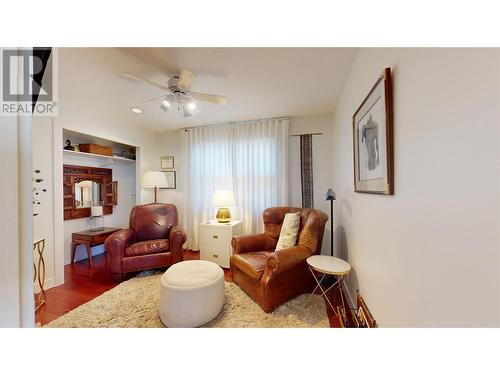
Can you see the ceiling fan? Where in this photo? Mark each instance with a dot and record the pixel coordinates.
(178, 92)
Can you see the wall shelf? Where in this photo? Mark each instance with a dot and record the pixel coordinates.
(97, 156)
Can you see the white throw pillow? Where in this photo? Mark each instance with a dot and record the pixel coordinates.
(289, 231)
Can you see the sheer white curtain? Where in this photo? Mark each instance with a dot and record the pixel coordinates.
(260, 154)
(208, 167)
(249, 158)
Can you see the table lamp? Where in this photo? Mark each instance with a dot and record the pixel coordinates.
(222, 199)
(154, 180)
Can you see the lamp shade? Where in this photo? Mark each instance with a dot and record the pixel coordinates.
(96, 211)
(154, 178)
(330, 195)
(223, 198)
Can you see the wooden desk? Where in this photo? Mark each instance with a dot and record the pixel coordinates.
(90, 238)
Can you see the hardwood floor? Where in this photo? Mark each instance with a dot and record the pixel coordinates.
(82, 284)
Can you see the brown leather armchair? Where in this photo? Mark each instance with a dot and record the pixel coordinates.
(273, 277)
(153, 240)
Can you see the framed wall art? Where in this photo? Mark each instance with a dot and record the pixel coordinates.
(373, 140)
(167, 162)
(363, 316)
(171, 180)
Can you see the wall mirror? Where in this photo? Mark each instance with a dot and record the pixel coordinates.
(87, 194)
(85, 187)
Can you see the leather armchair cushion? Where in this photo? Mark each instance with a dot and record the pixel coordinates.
(289, 231)
(253, 264)
(147, 247)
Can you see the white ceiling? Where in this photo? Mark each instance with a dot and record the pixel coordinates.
(259, 82)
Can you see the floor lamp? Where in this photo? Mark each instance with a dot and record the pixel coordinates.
(330, 196)
(154, 180)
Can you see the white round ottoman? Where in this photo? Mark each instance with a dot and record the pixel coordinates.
(192, 293)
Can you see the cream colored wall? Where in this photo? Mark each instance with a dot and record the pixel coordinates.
(124, 174)
(86, 116)
(16, 228)
(43, 223)
(170, 144)
(48, 156)
(429, 255)
(322, 161)
(10, 307)
(16, 259)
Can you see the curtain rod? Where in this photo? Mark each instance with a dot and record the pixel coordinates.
(235, 122)
(298, 135)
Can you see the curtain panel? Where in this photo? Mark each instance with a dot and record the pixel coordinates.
(249, 158)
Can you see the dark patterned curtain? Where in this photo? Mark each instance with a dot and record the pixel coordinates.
(306, 170)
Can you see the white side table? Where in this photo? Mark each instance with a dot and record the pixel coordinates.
(328, 265)
(215, 241)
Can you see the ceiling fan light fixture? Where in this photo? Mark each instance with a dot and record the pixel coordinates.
(166, 103)
(189, 108)
(179, 94)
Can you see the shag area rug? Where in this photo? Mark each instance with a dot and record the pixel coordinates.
(134, 304)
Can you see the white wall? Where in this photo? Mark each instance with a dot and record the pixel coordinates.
(78, 111)
(47, 150)
(43, 223)
(170, 144)
(16, 259)
(322, 161)
(10, 306)
(16, 265)
(429, 255)
(124, 173)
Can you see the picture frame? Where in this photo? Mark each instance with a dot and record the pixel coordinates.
(363, 315)
(167, 162)
(342, 317)
(171, 180)
(360, 316)
(373, 148)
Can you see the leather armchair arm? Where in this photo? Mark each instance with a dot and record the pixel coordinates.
(176, 239)
(115, 246)
(284, 260)
(249, 243)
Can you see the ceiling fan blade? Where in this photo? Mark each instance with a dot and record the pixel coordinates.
(151, 83)
(186, 78)
(154, 99)
(215, 99)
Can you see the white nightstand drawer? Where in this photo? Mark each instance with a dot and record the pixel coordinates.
(215, 241)
(220, 256)
(216, 236)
